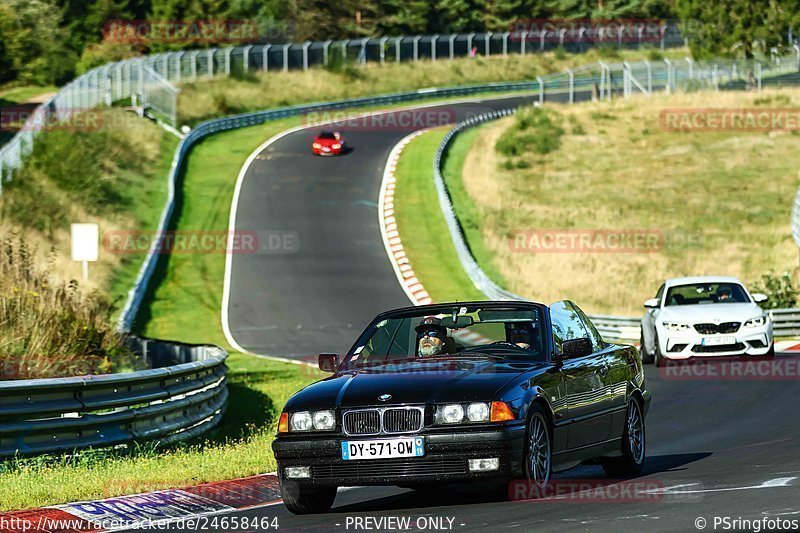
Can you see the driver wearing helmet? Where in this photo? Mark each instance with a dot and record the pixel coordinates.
(431, 336)
(724, 294)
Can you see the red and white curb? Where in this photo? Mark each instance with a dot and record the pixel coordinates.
(388, 224)
(787, 346)
(150, 509)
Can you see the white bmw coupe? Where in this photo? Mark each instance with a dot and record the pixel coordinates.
(702, 317)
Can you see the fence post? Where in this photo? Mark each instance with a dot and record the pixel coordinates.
(649, 78)
(758, 74)
(345, 44)
(246, 57)
(179, 65)
(487, 47)
(305, 54)
(228, 52)
(286, 57)
(668, 88)
(397, 42)
(524, 37)
(325, 46)
(211, 62)
(505, 43)
(571, 86)
(416, 47)
(469, 43)
(797, 50)
(362, 52)
(541, 40)
(383, 42)
(265, 57)
(452, 39)
(540, 80)
(691, 67)
(194, 64)
(714, 76)
(433, 46)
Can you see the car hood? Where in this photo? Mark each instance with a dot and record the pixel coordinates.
(412, 383)
(701, 313)
(327, 142)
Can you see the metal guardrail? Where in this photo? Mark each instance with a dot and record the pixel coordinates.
(165, 404)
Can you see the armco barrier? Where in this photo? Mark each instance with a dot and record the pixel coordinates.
(182, 396)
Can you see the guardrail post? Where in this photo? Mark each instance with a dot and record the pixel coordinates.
(305, 54)
(540, 80)
(416, 47)
(523, 42)
(505, 43)
(265, 57)
(487, 48)
(286, 57)
(433, 47)
(452, 39)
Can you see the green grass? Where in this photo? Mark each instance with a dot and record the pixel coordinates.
(469, 216)
(426, 239)
(18, 95)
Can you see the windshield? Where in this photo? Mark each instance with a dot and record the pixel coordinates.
(327, 135)
(706, 293)
(458, 332)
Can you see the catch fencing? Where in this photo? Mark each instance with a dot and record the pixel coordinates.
(153, 80)
(183, 395)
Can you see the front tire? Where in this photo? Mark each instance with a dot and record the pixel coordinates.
(307, 500)
(647, 357)
(634, 441)
(658, 359)
(539, 449)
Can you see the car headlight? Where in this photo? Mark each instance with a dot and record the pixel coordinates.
(451, 413)
(316, 145)
(336, 146)
(324, 420)
(301, 421)
(756, 322)
(478, 412)
(675, 326)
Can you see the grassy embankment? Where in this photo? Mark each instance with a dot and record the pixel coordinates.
(718, 201)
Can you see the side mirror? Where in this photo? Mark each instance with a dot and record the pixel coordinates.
(652, 303)
(573, 348)
(328, 362)
(760, 298)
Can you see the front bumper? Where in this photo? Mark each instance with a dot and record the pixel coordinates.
(687, 344)
(445, 459)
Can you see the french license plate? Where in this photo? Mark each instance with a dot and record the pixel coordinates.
(383, 448)
(717, 341)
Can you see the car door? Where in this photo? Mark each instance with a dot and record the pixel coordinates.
(588, 401)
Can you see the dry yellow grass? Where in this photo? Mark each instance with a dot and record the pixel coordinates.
(721, 200)
(207, 98)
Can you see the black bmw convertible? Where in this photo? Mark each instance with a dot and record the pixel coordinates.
(461, 392)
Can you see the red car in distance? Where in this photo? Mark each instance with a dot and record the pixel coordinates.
(327, 143)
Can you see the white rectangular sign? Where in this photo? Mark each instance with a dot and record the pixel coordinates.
(85, 242)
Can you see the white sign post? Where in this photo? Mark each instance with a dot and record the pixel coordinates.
(85, 239)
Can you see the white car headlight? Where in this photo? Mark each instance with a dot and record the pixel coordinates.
(301, 421)
(675, 326)
(478, 412)
(451, 414)
(324, 420)
(756, 322)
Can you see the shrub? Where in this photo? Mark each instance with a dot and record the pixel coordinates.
(50, 328)
(534, 129)
(780, 289)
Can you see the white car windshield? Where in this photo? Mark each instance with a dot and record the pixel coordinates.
(706, 293)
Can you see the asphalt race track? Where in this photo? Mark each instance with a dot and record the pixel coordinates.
(716, 447)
